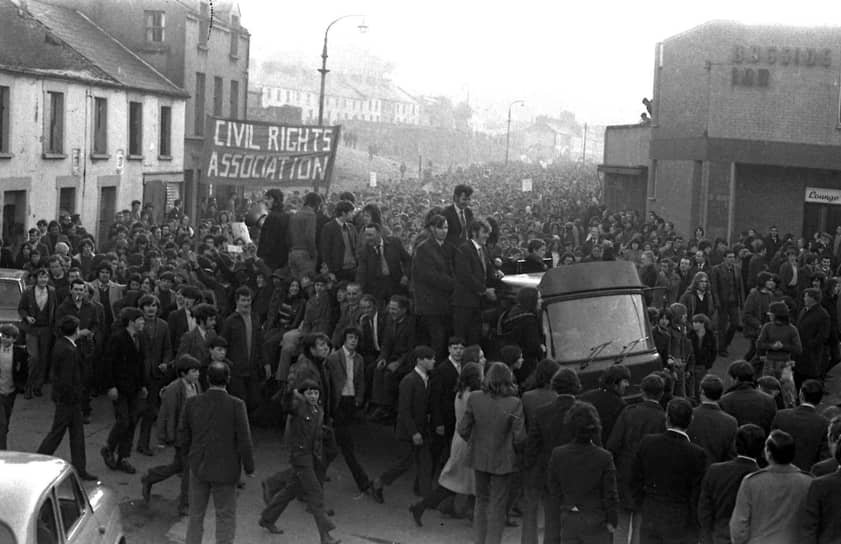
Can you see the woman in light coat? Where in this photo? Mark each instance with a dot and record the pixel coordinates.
(456, 477)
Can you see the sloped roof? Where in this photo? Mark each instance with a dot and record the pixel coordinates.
(86, 47)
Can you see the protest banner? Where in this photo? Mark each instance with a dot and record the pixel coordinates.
(527, 185)
(257, 153)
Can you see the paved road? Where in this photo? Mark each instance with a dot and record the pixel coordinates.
(358, 518)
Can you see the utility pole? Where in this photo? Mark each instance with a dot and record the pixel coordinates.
(584, 151)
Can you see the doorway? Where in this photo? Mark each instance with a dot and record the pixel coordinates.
(14, 216)
(820, 218)
(107, 209)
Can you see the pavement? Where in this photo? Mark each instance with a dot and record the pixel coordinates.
(358, 518)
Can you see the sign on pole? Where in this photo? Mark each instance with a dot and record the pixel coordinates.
(258, 153)
(372, 179)
(527, 186)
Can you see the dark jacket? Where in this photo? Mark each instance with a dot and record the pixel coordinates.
(813, 326)
(704, 351)
(582, 476)
(433, 277)
(471, 280)
(808, 428)
(755, 312)
(633, 423)
(369, 269)
(718, 496)
(748, 405)
(88, 318)
(412, 407)
(273, 246)
(609, 405)
(333, 246)
(214, 431)
(233, 330)
(173, 398)
(398, 340)
(157, 349)
(714, 430)
(547, 431)
(306, 432)
(727, 289)
(822, 515)
(336, 370)
(68, 383)
(455, 234)
(28, 307)
(192, 343)
(666, 482)
(124, 368)
(442, 396)
(178, 325)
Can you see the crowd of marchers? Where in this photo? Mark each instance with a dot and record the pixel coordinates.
(373, 308)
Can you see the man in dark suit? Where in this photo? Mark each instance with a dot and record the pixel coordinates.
(634, 422)
(712, 428)
(157, 355)
(744, 402)
(384, 265)
(346, 373)
(608, 400)
(474, 276)
(433, 278)
(127, 385)
(666, 480)
(806, 425)
(394, 361)
(372, 326)
(833, 437)
(67, 395)
(195, 342)
(721, 484)
(245, 339)
(79, 307)
(273, 247)
(822, 514)
(442, 396)
(339, 244)
(181, 320)
(813, 326)
(546, 431)
(36, 308)
(215, 434)
(727, 292)
(459, 215)
(412, 426)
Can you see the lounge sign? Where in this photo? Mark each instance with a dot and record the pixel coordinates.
(818, 195)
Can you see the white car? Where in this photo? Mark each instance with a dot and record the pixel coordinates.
(43, 501)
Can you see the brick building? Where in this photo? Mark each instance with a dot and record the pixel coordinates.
(746, 129)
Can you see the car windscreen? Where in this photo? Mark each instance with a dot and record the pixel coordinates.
(604, 324)
(9, 293)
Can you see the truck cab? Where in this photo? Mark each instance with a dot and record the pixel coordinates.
(593, 316)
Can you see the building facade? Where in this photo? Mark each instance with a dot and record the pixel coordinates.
(746, 129)
(624, 172)
(204, 50)
(85, 125)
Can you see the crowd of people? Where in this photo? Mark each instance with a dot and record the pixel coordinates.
(321, 316)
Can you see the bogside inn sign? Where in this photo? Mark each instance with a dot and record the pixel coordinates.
(818, 195)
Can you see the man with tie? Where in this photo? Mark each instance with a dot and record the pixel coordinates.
(459, 215)
(729, 295)
(473, 277)
(338, 243)
(126, 382)
(383, 265)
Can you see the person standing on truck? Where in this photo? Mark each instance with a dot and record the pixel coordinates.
(474, 273)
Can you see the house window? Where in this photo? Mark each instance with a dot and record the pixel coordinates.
(135, 128)
(155, 24)
(100, 126)
(204, 23)
(217, 96)
(67, 200)
(5, 113)
(234, 36)
(165, 141)
(54, 124)
(198, 106)
(234, 99)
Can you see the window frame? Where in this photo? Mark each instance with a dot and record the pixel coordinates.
(233, 99)
(53, 144)
(165, 132)
(81, 501)
(199, 105)
(204, 24)
(233, 49)
(218, 95)
(151, 28)
(135, 125)
(5, 120)
(100, 128)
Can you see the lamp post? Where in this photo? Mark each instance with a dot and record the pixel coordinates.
(508, 130)
(323, 70)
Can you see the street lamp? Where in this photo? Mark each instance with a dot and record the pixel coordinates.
(508, 130)
(323, 70)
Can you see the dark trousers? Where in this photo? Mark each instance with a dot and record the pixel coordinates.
(38, 343)
(439, 447)
(410, 455)
(728, 318)
(7, 402)
(534, 495)
(578, 528)
(162, 472)
(435, 497)
(343, 428)
(434, 329)
(385, 387)
(225, 502)
(492, 492)
(245, 389)
(303, 482)
(126, 410)
(68, 417)
(467, 323)
(148, 413)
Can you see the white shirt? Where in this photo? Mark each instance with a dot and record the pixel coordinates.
(41, 296)
(455, 364)
(347, 389)
(423, 375)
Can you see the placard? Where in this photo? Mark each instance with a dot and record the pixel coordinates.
(819, 195)
(527, 185)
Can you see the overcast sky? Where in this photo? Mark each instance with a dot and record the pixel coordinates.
(593, 58)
